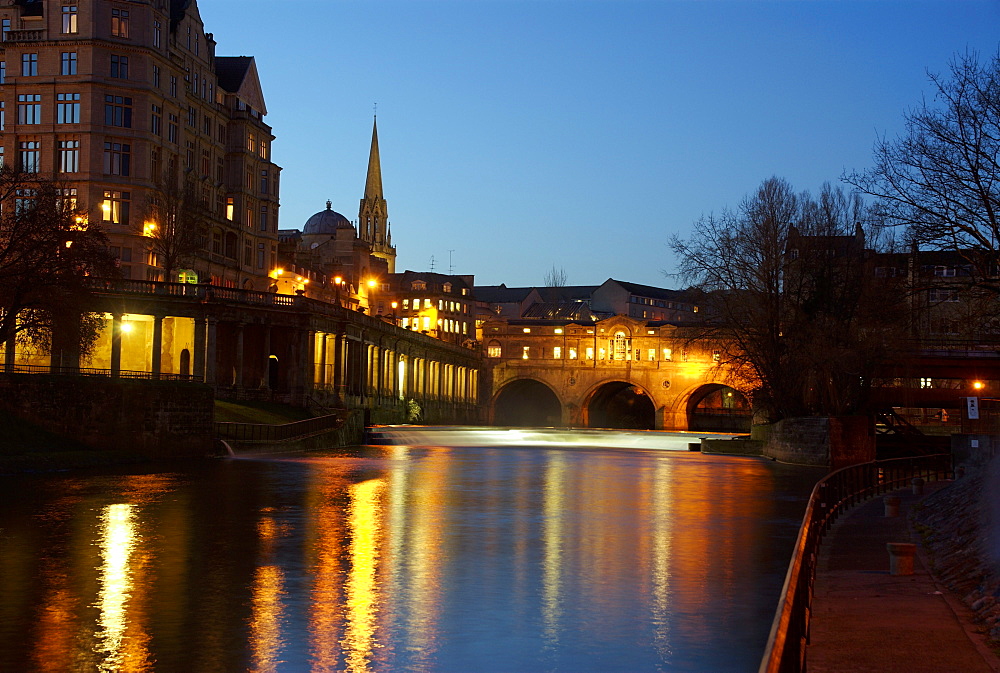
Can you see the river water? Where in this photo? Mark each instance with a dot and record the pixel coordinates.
(525, 556)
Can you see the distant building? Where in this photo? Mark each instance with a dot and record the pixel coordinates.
(436, 304)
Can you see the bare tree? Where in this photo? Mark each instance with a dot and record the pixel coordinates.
(789, 296)
(940, 179)
(48, 251)
(555, 277)
(176, 222)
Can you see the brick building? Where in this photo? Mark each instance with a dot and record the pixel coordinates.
(121, 102)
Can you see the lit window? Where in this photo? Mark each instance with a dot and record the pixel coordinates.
(524, 352)
(621, 346)
(590, 353)
(115, 207)
(427, 302)
(716, 355)
(572, 353)
(229, 208)
(651, 354)
(557, 353)
(926, 382)
(557, 330)
(527, 330)
(68, 19)
(119, 22)
(406, 304)
(600, 353)
(667, 354)
(427, 322)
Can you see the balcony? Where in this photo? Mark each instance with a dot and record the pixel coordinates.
(36, 35)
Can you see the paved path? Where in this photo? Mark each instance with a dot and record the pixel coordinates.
(868, 621)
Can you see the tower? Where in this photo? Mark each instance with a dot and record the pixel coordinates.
(373, 217)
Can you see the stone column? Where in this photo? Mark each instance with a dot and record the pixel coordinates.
(198, 357)
(322, 378)
(157, 359)
(211, 340)
(239, 355)
(338, 365)
(116, 345)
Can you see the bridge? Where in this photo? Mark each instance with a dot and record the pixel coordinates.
(265, 346)
(616, 373)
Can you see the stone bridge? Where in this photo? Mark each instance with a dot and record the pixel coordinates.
(619, 373)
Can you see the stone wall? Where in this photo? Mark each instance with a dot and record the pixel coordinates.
(832, 442)
(151, 419)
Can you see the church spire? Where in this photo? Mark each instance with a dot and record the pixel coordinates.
(373, 216)
(373, 185)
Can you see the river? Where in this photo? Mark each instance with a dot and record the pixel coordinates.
(482, 553)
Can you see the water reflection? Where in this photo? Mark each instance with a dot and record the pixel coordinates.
(402, 558)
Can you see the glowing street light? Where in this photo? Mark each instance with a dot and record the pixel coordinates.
(148, 229)
(337, 280)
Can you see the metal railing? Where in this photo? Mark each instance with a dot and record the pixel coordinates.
(260, 432)
(836, 493)
(96, 371)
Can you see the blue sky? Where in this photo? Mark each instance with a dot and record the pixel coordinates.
(517, 135)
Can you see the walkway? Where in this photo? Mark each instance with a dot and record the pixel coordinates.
(867, 621)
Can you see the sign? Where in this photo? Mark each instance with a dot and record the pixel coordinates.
(972, 404)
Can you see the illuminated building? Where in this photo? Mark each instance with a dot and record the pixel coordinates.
(116, 99)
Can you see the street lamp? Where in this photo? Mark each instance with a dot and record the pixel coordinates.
(371, 293)
(394, 305)
(337, 280)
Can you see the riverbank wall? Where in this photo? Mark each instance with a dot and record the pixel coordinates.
(156, 420)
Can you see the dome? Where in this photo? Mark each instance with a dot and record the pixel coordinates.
(326, 222)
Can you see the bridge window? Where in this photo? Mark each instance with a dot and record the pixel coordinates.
(590, 353)
(621, 346)
(572, 353)
(524, 352)
(557, 353)
(601, 353)
(667, 354)
(494, 350)
(716, 355)
(651, 354)
(926, 382)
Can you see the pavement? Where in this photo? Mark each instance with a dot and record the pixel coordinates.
(865, 620)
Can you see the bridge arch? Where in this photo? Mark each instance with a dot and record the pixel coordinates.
(619, 404)
(526, 402)
(716, 407)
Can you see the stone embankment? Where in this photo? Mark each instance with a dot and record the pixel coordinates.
(959, 528)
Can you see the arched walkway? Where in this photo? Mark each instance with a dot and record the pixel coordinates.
(620, 405)
(718, 408)
(527, 403)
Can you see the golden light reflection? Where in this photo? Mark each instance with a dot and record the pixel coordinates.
(266, 601)
(662, 533)
(326, 533)
(364, 521)
(554, 506)
(118, 540)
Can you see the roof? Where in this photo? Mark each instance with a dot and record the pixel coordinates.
(576, 311)
(326, 222)
(501, 294)
(650, 291)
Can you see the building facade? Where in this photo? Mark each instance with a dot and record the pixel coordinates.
(125, 103)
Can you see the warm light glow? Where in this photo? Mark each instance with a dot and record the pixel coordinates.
(978, 385)
(364, 519)
(126, 326)
(338, 280)
(118, 539)
(79, 223)
(106, 208)
(395, 304)
(558, 330)
(527, 330)
(372, 283)
(276, 272)
(148, 228)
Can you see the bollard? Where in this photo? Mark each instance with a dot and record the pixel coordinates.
(891, 503)
(901, 557)
(918, 486)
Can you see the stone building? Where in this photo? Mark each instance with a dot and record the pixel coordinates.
(125, 103)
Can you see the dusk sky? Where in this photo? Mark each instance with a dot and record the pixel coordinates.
(518, 135)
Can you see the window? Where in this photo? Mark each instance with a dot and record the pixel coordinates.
(247, 253)
(68, 63)
(29, 108)
(28, 153)
(590, 353)
(68, 19)
(206, 162)
(250, 143)
(525, 352)
(66, 198)
(29, 65)
(117, 158)
(119, 22)
(24, 200)
(926, 382)
(119, 66)
(667, 352)
(557, 353)
(67, 108)
(263, 149)
(217, 242)
(173, 86)
(155, 119)
(263, 184)
(572, 353)
(1, 156)
(494, 350)
(118, 111)
(716, 355)
(230, 206)
(418, 285)
(263, 218)
(157, 32)
(156, 76)
(937, 295)
(3, 115)
(945, 271)
(189, 155)
(3, 71)
(114, 209)
(155, 165)
(621, 346)
(172, 127)
(651, 354)
(260, 255)
(69, 156)
(206, 126)
(192, 118)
